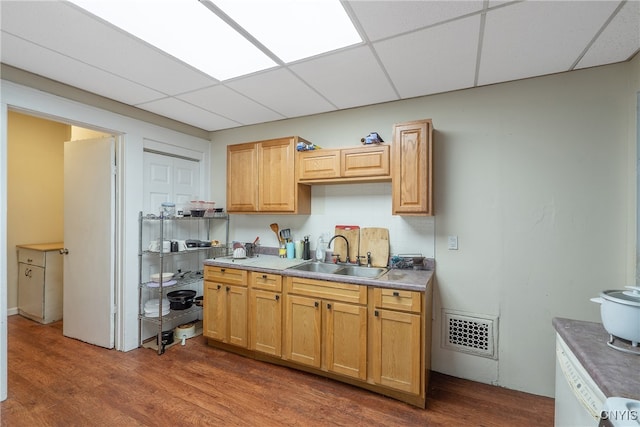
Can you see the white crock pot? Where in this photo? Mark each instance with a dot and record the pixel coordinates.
(620, 312)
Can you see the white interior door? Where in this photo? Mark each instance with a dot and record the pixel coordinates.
(89, 238)
(169, 179)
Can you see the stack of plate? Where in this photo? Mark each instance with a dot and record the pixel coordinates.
(152, 307)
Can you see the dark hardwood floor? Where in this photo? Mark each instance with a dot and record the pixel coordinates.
(58, 381)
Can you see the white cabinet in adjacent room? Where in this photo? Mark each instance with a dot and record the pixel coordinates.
(40, 275)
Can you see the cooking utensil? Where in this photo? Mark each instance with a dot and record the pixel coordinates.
(276, 229)
(376, 241)
(620, 313)
(181, 300)
(255, 242)
(285, 233)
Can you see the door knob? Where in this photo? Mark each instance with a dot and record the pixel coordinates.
(64, 251)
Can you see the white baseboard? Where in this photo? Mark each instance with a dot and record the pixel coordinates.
(12, 311)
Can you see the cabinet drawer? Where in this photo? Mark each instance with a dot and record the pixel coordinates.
(365, 161)
(225, 275)
(319, 164)
(32, 257)
(396, 299)
(269, 282)
(327, 290)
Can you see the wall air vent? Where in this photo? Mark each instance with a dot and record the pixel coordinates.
(470, 333)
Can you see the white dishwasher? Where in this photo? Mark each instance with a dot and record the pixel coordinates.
(579, 400)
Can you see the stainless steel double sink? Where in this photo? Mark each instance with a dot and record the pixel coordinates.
(341, 269)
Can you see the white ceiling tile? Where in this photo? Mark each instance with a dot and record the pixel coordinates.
(283, 92)
(27, 56)
(232, 105)
(536, 38)
(348, 78)
(187, 113)
(66, 29)
(381, 19)
(618, 41)
(434, 60)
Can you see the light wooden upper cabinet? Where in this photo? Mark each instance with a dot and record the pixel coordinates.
(261, 178)
(412, 168)
(369, 163)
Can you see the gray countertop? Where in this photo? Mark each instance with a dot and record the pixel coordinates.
(616, 373)
(413, 280)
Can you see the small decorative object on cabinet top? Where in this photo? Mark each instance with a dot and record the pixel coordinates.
(372, 138)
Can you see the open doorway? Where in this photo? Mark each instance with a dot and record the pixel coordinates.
(35, 191)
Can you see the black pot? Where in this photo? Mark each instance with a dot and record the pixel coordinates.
(181, 300)
(167, 338)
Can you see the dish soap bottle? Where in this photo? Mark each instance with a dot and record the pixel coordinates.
(320, 249)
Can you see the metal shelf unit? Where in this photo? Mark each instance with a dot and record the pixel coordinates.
(167, 229)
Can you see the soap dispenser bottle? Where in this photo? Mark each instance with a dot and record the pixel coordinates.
(306, 249)
(320, 249)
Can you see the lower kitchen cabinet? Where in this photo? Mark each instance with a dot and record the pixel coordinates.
(375, 338)
(265, 313)
(225, 306)
(395, 356)
(346, 339)
(397, 343)
(324, 332)
(40, 282)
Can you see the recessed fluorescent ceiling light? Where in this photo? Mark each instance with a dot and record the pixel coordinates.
(294, 29)
(189, 31)
(186, 30)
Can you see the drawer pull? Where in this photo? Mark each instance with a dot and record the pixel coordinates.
(264, 276)
(222, 270)
(396, 293)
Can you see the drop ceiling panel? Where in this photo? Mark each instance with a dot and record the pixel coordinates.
(348, 78)
(283, 92)
(619, 40)
(65, 29)
(27, 56)
(381, 19)
(232, 105)
(434, 60)
(537, 38)
(187, 113)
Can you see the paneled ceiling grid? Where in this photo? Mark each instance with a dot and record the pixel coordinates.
(409, 49)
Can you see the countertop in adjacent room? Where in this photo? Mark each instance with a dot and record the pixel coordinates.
(615, 372)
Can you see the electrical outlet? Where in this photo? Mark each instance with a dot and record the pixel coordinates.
(453, 243)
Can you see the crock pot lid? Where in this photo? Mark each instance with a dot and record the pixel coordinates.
(621, 297)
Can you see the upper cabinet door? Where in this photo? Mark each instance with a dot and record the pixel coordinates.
(412, 170)
(276, 168)
(261, 178)
(242, 178)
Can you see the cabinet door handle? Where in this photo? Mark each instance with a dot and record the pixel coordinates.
(219, 286)
(316, 304)
(375, 313)
(328, 306)
(396, 293)
(277, 297)
(228, 289)
(64, 251)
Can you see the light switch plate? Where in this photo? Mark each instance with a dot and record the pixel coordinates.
(453, 243)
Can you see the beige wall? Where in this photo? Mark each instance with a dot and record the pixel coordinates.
(35, 153)
(536, 177)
